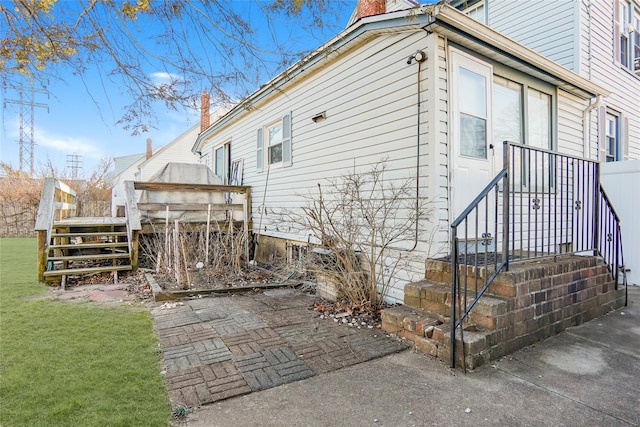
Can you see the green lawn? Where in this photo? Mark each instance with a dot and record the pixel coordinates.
(72, 364)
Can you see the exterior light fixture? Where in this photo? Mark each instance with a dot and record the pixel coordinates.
(419, 56)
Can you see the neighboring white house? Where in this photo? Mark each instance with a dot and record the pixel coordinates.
(423, 89)
(177, 151)
(125, 169)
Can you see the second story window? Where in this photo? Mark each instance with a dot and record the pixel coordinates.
(627, 34)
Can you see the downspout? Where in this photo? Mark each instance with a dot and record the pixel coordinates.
(586, 126)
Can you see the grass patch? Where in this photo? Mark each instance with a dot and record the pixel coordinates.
(67, 364)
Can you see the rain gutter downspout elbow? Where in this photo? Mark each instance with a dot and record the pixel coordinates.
(586, 125)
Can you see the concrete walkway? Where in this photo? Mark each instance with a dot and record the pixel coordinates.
(586, 376)
(219, 347)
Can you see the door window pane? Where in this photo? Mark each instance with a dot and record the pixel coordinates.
(473, 136)
(473, 114)
(473, 93)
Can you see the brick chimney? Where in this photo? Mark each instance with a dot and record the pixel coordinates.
(149, 149)
(205, 117)
(366, 8)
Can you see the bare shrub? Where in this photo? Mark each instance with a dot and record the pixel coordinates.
(365, 227)
(179, 251)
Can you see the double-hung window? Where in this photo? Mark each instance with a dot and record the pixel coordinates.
(612, 138)
(627, 34)
(613, 135)
(274, 143)
(273, 147)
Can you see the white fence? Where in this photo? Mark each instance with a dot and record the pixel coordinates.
(621, 181)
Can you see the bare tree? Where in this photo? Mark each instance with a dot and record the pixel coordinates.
(366, 228)
(162, 50)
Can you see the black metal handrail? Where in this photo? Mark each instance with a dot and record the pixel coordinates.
(610, 244)
(480, 226)
(549, 204)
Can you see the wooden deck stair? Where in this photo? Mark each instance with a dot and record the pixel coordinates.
(70, 245)
(87, 245)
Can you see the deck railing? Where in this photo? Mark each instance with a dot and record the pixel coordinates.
(57, 201)
(541, 204)
(133, 222)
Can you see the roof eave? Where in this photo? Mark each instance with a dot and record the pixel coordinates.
(471, 27)
(369, 25)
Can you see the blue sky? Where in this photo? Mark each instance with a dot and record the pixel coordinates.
(82, 112)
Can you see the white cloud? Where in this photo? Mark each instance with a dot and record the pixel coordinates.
(68, 144)
(163, 77)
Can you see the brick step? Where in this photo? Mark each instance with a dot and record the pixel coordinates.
(435, 297)
(431, 334)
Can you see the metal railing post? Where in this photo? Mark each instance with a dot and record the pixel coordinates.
(596, 216)
(506, 214)
(454, 280)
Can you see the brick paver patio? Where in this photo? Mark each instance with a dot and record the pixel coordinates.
(219, 347)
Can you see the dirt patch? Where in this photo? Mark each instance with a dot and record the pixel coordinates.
(131, 288)
(348, 314)
(219, 279)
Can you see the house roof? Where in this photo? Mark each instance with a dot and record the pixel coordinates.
(214, 117)
(441, 18)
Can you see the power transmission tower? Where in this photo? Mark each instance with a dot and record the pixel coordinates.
(74, 162)
(27, 104)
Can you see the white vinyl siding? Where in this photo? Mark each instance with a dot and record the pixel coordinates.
(369, 96)
(554, 23)
(599, 64)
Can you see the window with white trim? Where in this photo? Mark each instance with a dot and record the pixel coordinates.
(523, 114)
(222, 161)
(509, 113)
(612, 138)
(477, 12)
(627, 34)
(273, 147)
(274, 143)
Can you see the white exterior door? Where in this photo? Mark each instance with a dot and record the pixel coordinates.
(472, 157)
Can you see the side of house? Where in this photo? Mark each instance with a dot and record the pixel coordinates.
(429, 93)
